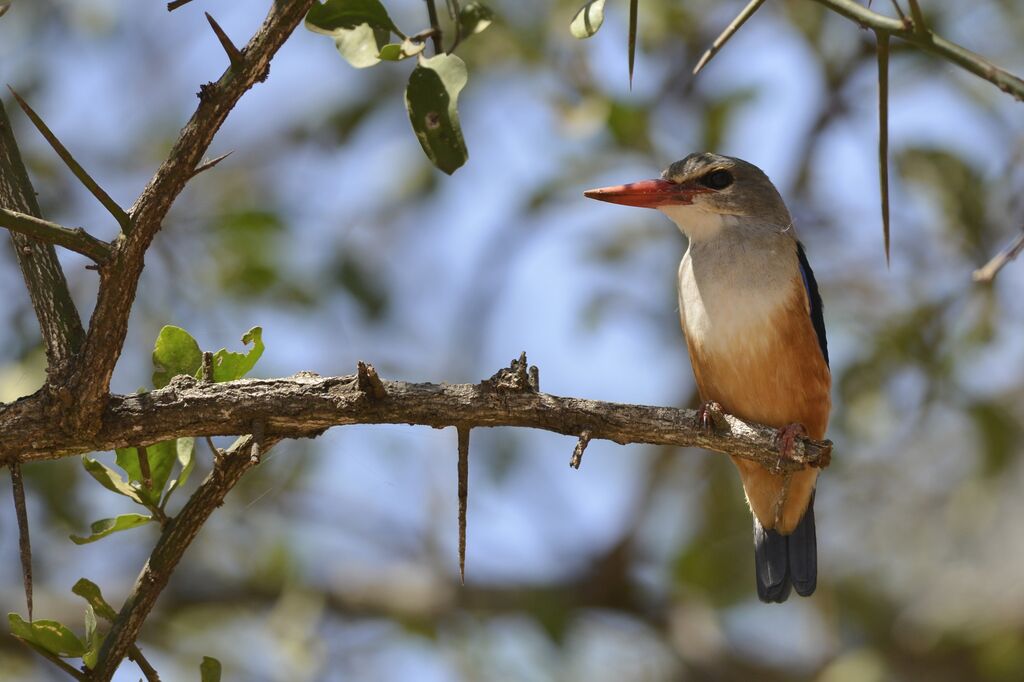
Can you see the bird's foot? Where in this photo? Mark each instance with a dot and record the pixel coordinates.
(709, 414)
(786, 440)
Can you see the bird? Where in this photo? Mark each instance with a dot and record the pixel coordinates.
(753, 319)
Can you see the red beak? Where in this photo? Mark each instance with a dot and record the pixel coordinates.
(647, 193)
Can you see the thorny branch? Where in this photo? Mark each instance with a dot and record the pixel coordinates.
(306, 404)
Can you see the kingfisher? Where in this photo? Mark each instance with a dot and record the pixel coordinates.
(752, 316)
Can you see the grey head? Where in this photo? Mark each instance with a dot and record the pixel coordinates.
(707, 194)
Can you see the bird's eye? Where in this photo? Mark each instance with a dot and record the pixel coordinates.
(718, 179)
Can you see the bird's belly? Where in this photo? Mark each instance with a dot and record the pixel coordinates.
(766, 368)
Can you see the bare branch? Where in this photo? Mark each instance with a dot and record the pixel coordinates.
(435, 27)
(988, 272)
(101, 195)
(178, 534)
(72, 238)
(175, 4)
(120, 278)
(729, 31)
(929, 42)
(59, 322)
(306, 404)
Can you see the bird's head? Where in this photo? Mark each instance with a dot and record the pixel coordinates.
(705, 194)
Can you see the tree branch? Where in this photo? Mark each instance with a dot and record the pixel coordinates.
(72, 238)
(988, 272)
(306, 404)
(923, 38)
(178, 534)
(119, 278)
(59, 322)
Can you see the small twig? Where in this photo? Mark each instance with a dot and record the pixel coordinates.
(883, 132)
(208, 367)
(56, 660)
(435, 25)
(899, 11)
(581, 446)
(120, 215)
(920, 25)
(988, 272)
(147, 476)
(463, 433)
(24, 545)
(256, 452)
(728, 33)
(369, 382)
(175, 4)
(234, 54)
(207, 165)
(72, 238)
(454, 12)
(148, 671)
(174, 541)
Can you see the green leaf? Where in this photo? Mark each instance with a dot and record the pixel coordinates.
(186, 448)
(228, 366)
(394, 52)
(161, 457)
(360, 28)
(90, 592)
(474, 18)
(48, 635)
(93, 638)
(209, 670)
(175, 352)
(347, 14)
(110, 479)
(361, 46)
(431, 99)
(104, 527)
(587, 20)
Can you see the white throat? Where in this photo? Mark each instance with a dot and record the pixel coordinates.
(696, 223)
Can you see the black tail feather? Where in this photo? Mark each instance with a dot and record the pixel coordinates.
(803, 554)
(771, 562)
(785, 561)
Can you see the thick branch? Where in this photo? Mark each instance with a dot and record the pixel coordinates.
(924, 39)
(120, 277)
(48, 289)
(175, 539)
(72, 238)
(306, 404)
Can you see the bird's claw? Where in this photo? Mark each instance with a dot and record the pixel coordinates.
(708, 415)
(786, 439)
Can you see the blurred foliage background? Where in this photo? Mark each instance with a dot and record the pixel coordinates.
(336, 559)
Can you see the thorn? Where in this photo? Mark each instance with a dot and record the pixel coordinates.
(234, 54)
(581, 446)
(463, 434)
(883, 133)
(115, 210)
(24, 545)
(728, 33)
(175, 4)
(632, 38)
(207, 165)
(369, 382)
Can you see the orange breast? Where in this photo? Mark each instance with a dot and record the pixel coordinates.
(776, 375)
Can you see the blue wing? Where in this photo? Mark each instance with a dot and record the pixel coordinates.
(817, 316)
